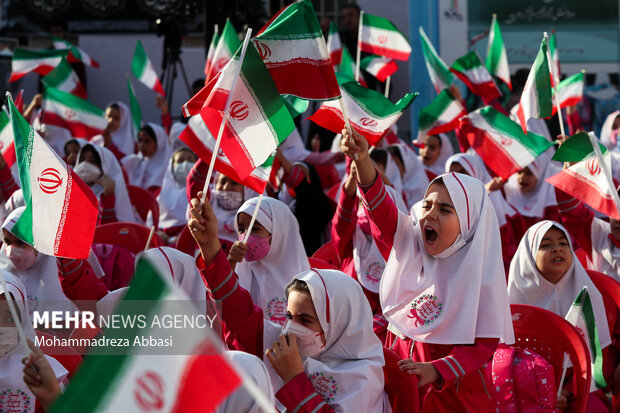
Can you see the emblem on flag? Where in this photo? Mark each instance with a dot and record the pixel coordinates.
(239, 110)
(368, 122)
(49, 180)
(593, 166)
(263, 50)
(149, 392)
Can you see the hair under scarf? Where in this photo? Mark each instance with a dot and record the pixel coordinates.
(445, 152)
(460, 296)
(147, 172)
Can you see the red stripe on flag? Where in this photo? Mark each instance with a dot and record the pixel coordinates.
(336, 57)
(331, 118)
(158, 88)
(521, 117)
(388, 70)
(304, 78)
(9, 154)
(487, 90)
(42, 70)
(384, 51)
(77, 129)
(79, 91)
(453, 124)
(568, 102)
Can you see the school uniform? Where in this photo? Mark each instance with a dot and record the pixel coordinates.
(148, 172)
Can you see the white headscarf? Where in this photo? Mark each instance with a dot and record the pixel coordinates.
(172, 199)
(41, 280)
(474, 166)
(393, 173)
(606, 138)
(147, 172)
(446, 151)
(527, 286)
(175, 131)
(542, 196)
(12, 386)
(241, 401)
(460, 296)
(226, 217)
(293, 147)
(415, 181)
(111, 167)
(265, 279)
(123, 137)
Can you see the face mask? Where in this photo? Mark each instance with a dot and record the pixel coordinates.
(8, 339)
(181, 170)
(229, 200)
(88, 172)
(21, 257)
(308, 341)
(258, 247)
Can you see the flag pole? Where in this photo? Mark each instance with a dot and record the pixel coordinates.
(359, 47)
(225, 117)
(554, 76)
(347, 124)
(607, 172)
(216, 30)
(248, 230)
(148, 241)
(564, 368)
(387, 86)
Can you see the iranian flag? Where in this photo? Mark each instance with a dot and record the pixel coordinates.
(500, 142)
(536, 96)
(438, 71)
(570, 91)
(227, 45)
(76, 54)
(7, 146)
(347, 67)
(497, 60)
(211, 53)
(64, 78)
(38, 61)
(379, 67)
(61, 210)
(134, 108)
(80, 117)
(581, 315)
(587, 180)
(474, 74)
(19, 101)
(555, 57)
(201, 142)
(293, 48)
(370, 113)
(143, 70)
(194, 377)
(441, 115)
(334, 45)
(380, 36)
(258, 120)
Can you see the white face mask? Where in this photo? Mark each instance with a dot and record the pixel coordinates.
(229, 200)
(181, 170)
(308, 341)
(22, 258)
(88, 172)
(8, 339)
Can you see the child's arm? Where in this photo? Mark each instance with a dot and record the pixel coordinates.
(577, 219)
(79, 283)
(345, 219)
(196, 179)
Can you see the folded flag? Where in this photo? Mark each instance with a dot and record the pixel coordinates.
(38, 61)
(211, 53)
(334, 45)
(381, 37)
(134, 108)
(293, 48)
(64, 78)
(474, 74)
(370, 113)
(438, 71)
(227, 45)
(138, 381)
(76, 54)
(379, 67)
(80, 117)
(500, 142)
(497, 60)
(441, 115)
(536, 96)
(143, 70)
(569, 91)
(61, 210)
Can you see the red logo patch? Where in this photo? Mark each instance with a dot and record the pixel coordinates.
(239, 110)
(148, 392)
(263, 50)
(49, 180)
(368, 122)
(593, 166)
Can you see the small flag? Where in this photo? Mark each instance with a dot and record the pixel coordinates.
(379, 67)
(76, 54)
(536, 97)
(19, 101)
(227, 45)
(497, 60)
(65, 208)
(347, 67)
(474, 74)
(570, 91)
(441, 115)
(137, 381)
(38, 61)
(80, 117)
(293, 48)
(134, 108)
(555, 57)
(211, 53)
(7, 146)
(370, 113)
(334, 45)
(438, 71)
(500, 142)
(143, 70)
(381, 37)
(64, 78)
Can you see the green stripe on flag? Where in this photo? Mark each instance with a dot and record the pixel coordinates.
(467, 62)
(67, 99)
(430, 113)
(576, 148)
(139, 62)
(134, 108)
(298, 21)
(4, 120)
(543, 82)
(380, 23)
(59, 75)
(595, 344)
(296, 106)
(24, 54)
(432, 58)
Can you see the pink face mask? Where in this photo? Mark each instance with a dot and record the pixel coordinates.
(21, 257)
(258, 247)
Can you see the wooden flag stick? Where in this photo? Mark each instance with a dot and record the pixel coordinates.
(359, 47)
(148, 241)
(347, 124)
(387, 86)
(248, 230)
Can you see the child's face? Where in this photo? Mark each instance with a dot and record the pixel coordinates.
(554, 256)
(614, 225)
(300, 309)
(113, 116)
(456, 167)
(527, 180)
(146, 144)
(439, 221)
(431, 150)
(224, 183)
(243, 221)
